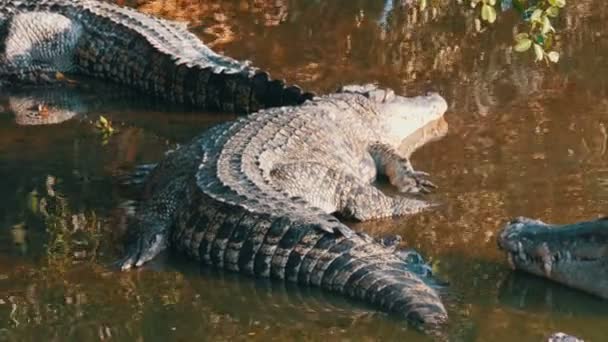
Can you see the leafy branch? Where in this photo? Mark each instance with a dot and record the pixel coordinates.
(538, 15)
(540, 35)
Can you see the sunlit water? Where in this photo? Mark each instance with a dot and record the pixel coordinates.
(524, 139)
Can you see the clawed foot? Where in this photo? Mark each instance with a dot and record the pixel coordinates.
(413, 182)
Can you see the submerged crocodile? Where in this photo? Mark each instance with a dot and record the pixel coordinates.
(256, 196)
(39, 38)
(575, 255)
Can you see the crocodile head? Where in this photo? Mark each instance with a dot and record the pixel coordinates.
(575, 255)
(30, 110)
(401, 117)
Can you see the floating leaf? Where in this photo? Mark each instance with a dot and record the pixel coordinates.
(105, 128)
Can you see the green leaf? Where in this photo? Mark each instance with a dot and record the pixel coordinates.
(488, 13)
(540, 39)
(539, 52)
(523, 45)
(422, 4)
(521, 36)
(519, 7)
(536, 15)
(546, 25)
(558, 3)
(552, 11)
(553, 56)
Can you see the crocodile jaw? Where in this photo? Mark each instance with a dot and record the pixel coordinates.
(575, 255)
(403, 116)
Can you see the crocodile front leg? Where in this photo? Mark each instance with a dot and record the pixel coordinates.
(399, 170)
(333, 191)
(365, 202)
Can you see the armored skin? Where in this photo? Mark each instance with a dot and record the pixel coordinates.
(257, 196)
(39, 38)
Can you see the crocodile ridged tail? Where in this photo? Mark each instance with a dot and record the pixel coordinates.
(162, 58)
(200, 86)
(278, 246)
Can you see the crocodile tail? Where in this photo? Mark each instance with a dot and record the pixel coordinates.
(245, 91)
(165, 59)
(395, 289)
(361, 268)
(287, 247)
(216, 83)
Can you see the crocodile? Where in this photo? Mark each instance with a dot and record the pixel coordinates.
(256, 196)
(575, 255)
(42, 39)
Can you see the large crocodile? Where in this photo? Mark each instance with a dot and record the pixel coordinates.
(256, 196)
(575, 255)
(39, 38)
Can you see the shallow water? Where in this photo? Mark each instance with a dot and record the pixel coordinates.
(523, 139)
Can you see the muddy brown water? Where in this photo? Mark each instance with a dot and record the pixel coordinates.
(524, 139)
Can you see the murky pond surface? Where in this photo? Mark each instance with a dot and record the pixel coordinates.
(524, 139)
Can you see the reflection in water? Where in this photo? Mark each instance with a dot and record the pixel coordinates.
(534, 294)
(524, 139)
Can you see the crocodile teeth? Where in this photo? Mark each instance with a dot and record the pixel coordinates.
(511, 261)
(545, 253)
(522, 253)
(547, 265)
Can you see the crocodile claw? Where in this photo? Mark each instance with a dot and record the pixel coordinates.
(415, 182)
